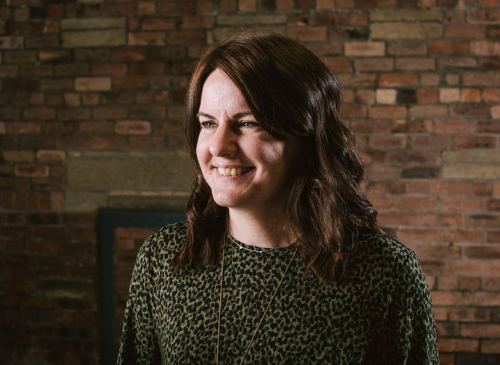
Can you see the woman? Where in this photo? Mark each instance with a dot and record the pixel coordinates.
(281, 260)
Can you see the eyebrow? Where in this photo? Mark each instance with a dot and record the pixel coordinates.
(235, 116)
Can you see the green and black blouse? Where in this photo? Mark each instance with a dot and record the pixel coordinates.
(381, 313)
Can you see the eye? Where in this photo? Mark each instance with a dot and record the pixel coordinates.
(207, 124)
(248, 124)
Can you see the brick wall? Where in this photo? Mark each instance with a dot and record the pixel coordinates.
(91, 96)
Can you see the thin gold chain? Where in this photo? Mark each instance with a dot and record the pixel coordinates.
(263, 315)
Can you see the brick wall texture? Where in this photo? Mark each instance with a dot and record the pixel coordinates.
(88, 82)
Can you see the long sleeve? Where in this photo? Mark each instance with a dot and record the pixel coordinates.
(409, 334)
(139, 344)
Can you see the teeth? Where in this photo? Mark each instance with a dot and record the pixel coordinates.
(232, 172)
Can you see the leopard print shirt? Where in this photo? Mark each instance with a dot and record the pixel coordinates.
(380, 314)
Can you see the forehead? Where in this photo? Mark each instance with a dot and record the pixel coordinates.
(220, 92)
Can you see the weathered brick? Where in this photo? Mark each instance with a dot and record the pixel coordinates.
(364, 49)
(457, 62)
(490, 346)
(93, 23)
(449, 95)
(475, 142)
(467, 31)
(133, 127)
(480, 330)
(23, 127)
(93, 38)
(397, 79)
(386, 96)
(413, 63)
(448, 48)
(147, 39)
(93, 84)
(481, 79)
(407, 48)
(157, 23)
(338, 64)
(11, 42)
(31, 170)
(387, 112)
(374, 64)
(357, 80)
(426, 111)
(458, 345)
(307, 34)
(247, 19)
(410, 15)
(406, 30)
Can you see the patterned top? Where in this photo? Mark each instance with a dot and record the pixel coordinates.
(381, 313)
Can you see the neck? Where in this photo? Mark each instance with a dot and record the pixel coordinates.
(262, 230)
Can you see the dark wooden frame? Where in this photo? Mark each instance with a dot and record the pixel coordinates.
(108, 220)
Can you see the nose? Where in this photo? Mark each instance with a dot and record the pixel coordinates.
(223, 141)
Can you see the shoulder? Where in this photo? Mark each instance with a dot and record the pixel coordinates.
(165, 242)
(386, 258)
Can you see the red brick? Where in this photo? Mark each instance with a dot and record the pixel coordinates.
(438, 252)
(387, 112)
(491, 95)
(397, 79)
(186, 36)
(147, 68)
(441, 220)
(490, 346)
(108, 143)
(482, 252)
(407, 48)
(373, 64)
(452, 126)
(431, 142)
(40, 113)
(357, 80)
(156, 23)
(419, 235)
(427, 96)
(447, 298)
(469, 283)
(474, 268)
(133, 127)
(470, 96)
(109, 69)
(448, 48)
(31, 170)
(308, 34)
(130, 83)
(145, 39)
(392, 219)
(418, 203)
(388, 141)
(483, 16)
(23, 127)
(146, 142)
(353, 111)
(338, 64)
(480, 330)
(448, 283)
(458, 345)
(129, 54)
(492, 284)
(111, 112)
(475, 142)
(467, 31)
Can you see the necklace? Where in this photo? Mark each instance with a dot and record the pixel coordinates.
(261, 250)
(263, 314)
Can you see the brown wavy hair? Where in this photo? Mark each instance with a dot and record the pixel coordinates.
(290, 93)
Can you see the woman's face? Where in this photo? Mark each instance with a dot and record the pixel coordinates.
(244, 166)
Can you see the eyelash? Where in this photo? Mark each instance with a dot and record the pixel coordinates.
(243, 123)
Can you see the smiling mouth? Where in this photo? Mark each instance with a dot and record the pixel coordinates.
(233, 171)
